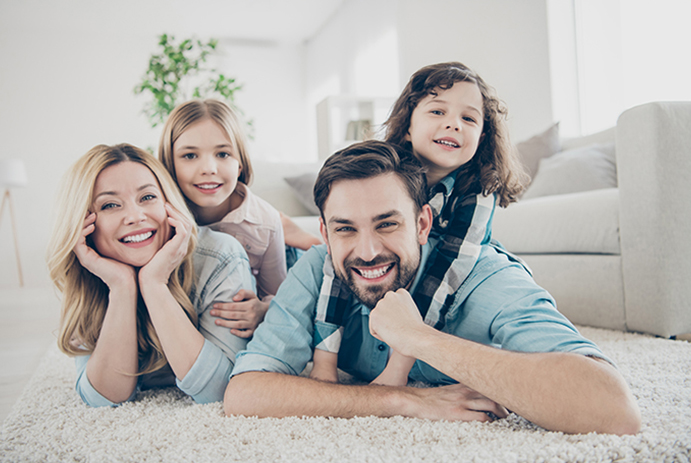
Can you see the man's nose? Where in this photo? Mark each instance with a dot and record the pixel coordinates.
(368, 246)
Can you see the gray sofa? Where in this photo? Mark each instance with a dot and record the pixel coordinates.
(618, 256)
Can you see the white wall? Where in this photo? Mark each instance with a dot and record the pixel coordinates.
(67, 70)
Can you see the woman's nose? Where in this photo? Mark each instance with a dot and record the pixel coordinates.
(134, 214)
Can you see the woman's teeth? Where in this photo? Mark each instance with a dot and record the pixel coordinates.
(137, 238)
(209, 186)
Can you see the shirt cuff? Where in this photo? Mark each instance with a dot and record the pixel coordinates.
(207, 379)
(86, 390)
(246, 361)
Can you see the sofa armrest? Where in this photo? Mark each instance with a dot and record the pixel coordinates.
(653, 149)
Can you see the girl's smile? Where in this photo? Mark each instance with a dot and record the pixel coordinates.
(446, 128)
(207, 170)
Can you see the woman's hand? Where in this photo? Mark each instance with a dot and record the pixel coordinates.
(243, 315)
(110, 271)
(172, 253)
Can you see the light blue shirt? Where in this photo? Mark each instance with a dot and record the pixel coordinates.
(222, 269)
(499, 305)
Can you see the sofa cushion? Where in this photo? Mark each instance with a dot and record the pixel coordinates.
(586, 222)
(542, 145)
(591, 167)
(303, 187)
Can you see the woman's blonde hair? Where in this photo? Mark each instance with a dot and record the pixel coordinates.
(84, 295)
(191, 112)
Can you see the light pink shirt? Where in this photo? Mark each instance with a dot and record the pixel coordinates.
(257, 226)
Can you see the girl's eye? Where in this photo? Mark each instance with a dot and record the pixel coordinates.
(223, 155)
(470, 119)
(437, 112)
(189, 156)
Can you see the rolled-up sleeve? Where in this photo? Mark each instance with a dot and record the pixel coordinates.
(86, 390)
(283, 342)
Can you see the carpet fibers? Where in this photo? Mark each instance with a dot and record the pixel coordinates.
(49, 423)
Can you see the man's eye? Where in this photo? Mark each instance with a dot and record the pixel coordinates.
(344, 229)
(385, 225)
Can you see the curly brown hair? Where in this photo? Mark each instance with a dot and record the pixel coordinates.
(495, 167)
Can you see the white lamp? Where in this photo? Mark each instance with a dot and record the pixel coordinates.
(12, 174)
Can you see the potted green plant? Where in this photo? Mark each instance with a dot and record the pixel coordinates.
(178, 72)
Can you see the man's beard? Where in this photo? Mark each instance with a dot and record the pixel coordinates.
(371, 294)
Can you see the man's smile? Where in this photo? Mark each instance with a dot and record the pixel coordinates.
(374, 273)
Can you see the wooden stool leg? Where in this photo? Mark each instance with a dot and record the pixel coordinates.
(7, 197)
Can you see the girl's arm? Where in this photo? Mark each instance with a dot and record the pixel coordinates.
(179, 338)
(112, 367)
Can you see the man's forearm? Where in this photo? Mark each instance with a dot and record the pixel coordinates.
(558, 391)
(266, 394)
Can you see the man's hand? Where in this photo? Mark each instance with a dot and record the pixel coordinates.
(395, 320)
(243, 315)
(456, 403)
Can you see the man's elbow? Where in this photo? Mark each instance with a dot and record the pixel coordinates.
(240, 395)
(628, 419)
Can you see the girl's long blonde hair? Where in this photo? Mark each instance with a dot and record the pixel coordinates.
(84, 295)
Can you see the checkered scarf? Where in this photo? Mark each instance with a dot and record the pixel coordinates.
(462, 227)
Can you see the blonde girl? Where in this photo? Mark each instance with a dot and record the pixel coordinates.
(203, 147)
(138, 280)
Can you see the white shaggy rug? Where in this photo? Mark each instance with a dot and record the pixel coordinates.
(49, 423)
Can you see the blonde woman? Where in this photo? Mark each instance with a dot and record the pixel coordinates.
(138, 280)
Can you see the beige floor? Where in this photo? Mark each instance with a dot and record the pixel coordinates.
(28, 323)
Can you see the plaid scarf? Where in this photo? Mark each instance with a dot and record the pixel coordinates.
(462, 226)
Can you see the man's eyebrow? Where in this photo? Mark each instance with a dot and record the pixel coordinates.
(387, 215)
(339, 220)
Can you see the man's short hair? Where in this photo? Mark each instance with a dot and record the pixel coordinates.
(369, 159)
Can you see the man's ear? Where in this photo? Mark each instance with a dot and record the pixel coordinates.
(322, 230)
(424, 224)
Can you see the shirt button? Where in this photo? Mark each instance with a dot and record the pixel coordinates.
(381, 347)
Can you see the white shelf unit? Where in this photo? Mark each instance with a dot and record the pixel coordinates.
(334, 113)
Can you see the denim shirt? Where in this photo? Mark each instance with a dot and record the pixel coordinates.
(499, 305)
(222, 269)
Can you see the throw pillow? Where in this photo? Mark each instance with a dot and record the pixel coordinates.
(540, 146)
(592, 167)
(303, 186)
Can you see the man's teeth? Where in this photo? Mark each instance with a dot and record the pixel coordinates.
(209, 186)
(138, 238)
(447, 143)
(371, 274)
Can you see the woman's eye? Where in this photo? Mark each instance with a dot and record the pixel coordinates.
(106, 206)
(148, 197)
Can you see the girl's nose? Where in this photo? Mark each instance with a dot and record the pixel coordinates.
(209, 166)
(454, 124)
